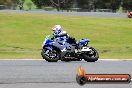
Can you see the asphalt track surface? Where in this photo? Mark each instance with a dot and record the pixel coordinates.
(42, 74)
(91, 14)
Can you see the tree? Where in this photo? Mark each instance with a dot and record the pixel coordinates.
(87, 5)
(2, 2)
(40, 3)
(8, 3)
(29, 5)
(115, 4)
(58, 4)
(84, 4)
(20, 4)
(62, 4)
(127, 4)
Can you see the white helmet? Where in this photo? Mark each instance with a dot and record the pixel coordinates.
(56, 27)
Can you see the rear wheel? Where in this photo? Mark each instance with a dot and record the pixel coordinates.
(91, 56)
(50, 56)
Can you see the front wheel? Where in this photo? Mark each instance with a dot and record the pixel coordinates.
(50, 56)
(129, 16)
(91, 56)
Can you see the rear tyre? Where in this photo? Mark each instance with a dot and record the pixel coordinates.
(91, 56)
(66, 60)
(50, 56)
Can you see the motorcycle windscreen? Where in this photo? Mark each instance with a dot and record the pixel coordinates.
(83, 41)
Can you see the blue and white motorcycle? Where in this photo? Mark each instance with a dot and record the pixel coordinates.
(72, 50)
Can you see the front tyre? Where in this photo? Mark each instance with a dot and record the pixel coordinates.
(91, 56)
(129, 16)
(50, 56)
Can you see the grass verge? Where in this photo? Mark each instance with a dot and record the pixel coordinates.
(21, 35)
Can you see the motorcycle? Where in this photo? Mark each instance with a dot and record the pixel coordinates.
(129, 14)
(72, 50)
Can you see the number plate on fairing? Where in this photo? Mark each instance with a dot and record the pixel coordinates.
(85, 49)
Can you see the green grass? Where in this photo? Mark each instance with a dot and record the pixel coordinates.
(21, 35)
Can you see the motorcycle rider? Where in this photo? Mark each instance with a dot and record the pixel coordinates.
(129, 14)
(59, 34)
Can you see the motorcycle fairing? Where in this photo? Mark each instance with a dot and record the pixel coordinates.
(83, 41)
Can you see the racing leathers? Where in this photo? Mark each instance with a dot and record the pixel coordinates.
(61, 36)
